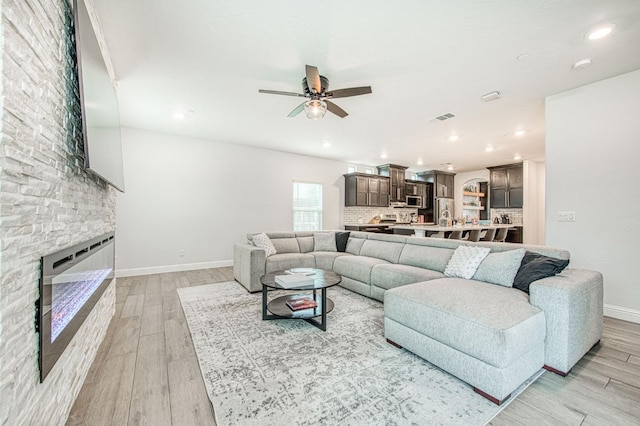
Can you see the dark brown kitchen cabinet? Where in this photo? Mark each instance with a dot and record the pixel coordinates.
(442, 182)
(366, 190)
(507, 186)
(418, 189)
(396, 176)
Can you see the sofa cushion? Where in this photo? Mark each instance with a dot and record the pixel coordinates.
(465, 261)
(305, 241)
(324, 241)
(354, 244)
(264, 242)
(500, 268)
(492, 323)
(385, 250)
(434, 258)
(325, 259)
(286, 245)
(392, 275)
(282, 261)
(536, 267)
(356, 267)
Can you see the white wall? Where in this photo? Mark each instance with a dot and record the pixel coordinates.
(542, 203)
(592, 152)
(202, 197)
(534, 202)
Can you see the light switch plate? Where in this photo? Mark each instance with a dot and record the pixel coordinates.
(567, 216)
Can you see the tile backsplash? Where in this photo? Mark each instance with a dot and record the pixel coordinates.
(514, 214)
(355, 215)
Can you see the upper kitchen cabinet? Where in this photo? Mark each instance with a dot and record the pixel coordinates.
(442, 182)
(417, 193)
(365, 190)
(507, 186)
(396, 176)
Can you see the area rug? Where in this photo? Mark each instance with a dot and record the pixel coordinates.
(288, 372)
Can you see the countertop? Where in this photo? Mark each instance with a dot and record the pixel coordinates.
(436, 228)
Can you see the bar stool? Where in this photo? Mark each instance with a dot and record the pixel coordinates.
(474, 235)
(489, 234)
(501, 236)
(455, 235)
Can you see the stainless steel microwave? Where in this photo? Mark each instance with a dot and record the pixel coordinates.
(414, 201)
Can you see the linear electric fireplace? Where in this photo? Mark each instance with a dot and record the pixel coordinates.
(71, 283)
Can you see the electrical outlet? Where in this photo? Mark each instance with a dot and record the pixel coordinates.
(566, 216)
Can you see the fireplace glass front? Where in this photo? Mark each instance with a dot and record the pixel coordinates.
(72, 281)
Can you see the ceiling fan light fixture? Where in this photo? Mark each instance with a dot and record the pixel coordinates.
(315, 109)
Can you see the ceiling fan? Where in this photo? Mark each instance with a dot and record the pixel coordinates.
(315, 88)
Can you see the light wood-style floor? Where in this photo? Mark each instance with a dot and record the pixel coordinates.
(146, 371)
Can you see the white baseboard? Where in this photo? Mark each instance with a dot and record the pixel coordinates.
(134, 272)
(619, 312)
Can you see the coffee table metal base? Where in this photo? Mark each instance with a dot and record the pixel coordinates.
(277, 308)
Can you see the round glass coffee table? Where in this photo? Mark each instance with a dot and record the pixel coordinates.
(277, 308)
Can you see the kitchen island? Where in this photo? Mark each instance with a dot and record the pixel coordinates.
(424, 230)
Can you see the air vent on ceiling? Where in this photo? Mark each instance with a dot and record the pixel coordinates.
(444, 117)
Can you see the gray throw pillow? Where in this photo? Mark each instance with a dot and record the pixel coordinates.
(500, 268)
(324, 241)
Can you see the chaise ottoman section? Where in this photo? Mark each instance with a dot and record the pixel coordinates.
(456, 323)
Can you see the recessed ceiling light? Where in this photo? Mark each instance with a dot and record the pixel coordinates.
(450, 167)
(419, 162)
(383, 155)
(326, 144)
(183, 115)
(488, 149)
(600, 32)
(517, 157)
(581, 64)
(519, 133)
(454, 137)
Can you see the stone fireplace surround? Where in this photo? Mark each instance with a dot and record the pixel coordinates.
(47, 202)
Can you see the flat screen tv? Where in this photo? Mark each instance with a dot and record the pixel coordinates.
(99, 104)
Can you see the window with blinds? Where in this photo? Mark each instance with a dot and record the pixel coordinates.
(307, 206)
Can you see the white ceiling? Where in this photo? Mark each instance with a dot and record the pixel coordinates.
(421, 58)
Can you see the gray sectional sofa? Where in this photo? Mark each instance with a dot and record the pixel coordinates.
(491, 336)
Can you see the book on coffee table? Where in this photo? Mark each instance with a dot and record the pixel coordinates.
(303, 303)
(294, 280)
(305, 271)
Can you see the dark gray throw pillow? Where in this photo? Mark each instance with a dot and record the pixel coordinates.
(341, 240)
(536, 266)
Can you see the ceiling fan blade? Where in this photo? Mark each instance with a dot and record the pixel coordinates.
(313, 79)
(335, 109)
(352, 91)
(277, 92)
(297, 110)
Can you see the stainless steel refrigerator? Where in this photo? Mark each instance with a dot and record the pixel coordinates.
(442, 205)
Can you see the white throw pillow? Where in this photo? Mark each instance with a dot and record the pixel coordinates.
(500, 268)
(465, 261)
(324, 241)
(264, 242)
